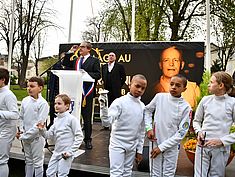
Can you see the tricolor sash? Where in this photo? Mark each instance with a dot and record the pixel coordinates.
(87, 92)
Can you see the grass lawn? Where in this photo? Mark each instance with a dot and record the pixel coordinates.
(21, 93)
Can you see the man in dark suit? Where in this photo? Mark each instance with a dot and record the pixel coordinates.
(114, 76)
(92, 66)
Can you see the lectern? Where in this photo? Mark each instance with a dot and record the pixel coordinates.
(71, 83)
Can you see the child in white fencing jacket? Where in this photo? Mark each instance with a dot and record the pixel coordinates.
(214, 116)
(34, 109)
(67, 135)
(169, 127)
(8, 119)
(127, 133)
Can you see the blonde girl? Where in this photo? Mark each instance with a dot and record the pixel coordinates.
(214, 117)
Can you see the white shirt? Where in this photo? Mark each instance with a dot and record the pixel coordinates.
(85, 58)
(110, 66)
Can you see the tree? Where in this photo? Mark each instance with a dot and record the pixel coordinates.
(180, 14)
(149, 20)
(16, 60)
(31, 18)
(155, 19)
(95, 26)
(113, 22)
(38, 44)
(5, 16)
(125, 13)
(216, 66)
(223, 17)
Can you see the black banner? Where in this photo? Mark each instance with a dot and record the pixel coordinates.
(144, 58)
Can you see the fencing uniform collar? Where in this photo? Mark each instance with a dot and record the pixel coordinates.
(60, 115)
(221, 97)
(134, 98)
(4, 88)
(175, 98)
(39, 97)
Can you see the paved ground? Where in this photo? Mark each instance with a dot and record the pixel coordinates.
(96, 160)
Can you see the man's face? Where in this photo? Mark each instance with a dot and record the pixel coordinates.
(170, 63)
(83, 49)
(112, 57)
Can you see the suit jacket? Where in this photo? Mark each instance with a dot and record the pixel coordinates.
(118, 78)
(91, 66)
(53, 84)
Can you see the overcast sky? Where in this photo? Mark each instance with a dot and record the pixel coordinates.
(81, 10)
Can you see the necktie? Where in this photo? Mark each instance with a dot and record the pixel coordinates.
(81, 62)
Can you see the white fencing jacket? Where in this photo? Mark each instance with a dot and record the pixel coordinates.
(126, 116)
(32, 112)
(171, 119)
(215, 115)
(66, 133)
(8, 108)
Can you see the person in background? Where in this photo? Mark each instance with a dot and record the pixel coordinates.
(171, 122)
(34, 109)
(68, 136)
(91, 65)
(114, 77)
(125, 115)
(53, 87)
(171, 63)
(213, 119)
(8, 119)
